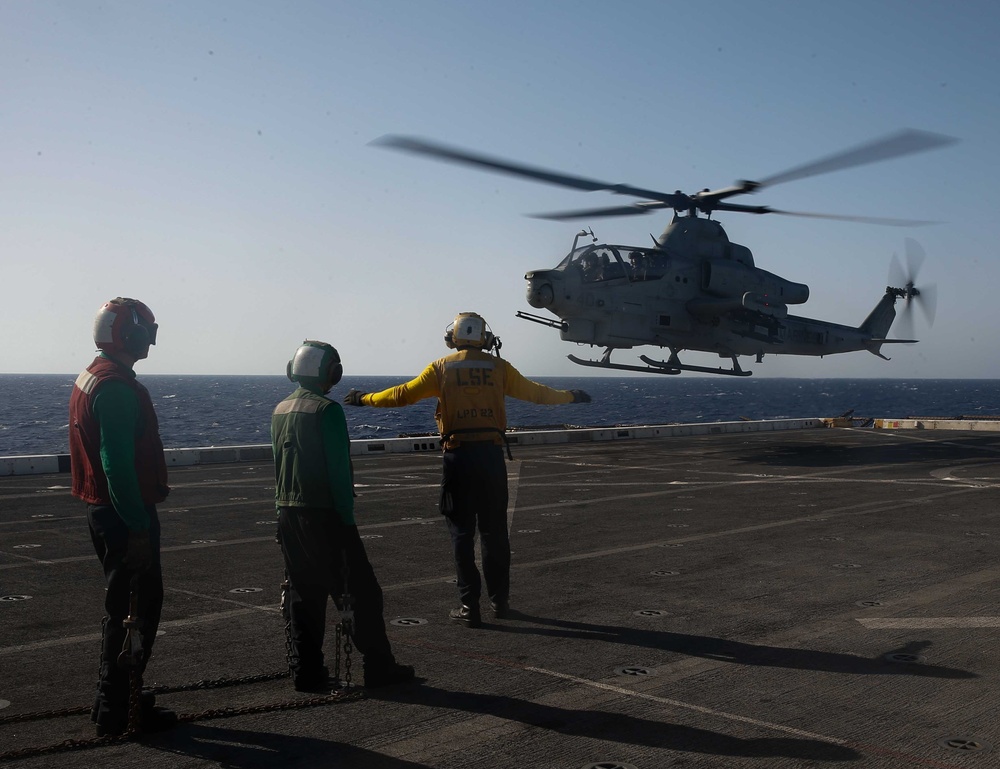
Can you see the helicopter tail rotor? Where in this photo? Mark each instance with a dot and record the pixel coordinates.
(902, 283)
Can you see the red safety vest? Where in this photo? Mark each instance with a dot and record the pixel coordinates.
(89, 481)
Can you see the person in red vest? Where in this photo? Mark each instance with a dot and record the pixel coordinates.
(119, 470)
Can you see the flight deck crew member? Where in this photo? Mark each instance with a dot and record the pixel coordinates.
(470, 385)
(314, 494)
(118, 469)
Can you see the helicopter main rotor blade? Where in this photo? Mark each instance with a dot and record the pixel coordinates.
(464, 157)
(839, 218)
(905, 142)
(636, 209)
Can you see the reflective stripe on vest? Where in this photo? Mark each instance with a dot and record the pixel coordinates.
(298, 405)
(86, 382)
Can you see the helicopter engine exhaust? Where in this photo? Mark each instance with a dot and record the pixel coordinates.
(734, 280)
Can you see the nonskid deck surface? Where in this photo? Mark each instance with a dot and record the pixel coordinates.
(719, 601)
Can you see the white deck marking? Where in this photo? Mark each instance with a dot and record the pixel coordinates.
(91, 637)
(513, 482)
(927, 623)
(218, 599)
(688, 706)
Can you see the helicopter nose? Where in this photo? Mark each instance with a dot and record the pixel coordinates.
(540, 294)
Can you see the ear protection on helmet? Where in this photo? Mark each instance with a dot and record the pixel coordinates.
(315, 362)
(135, 337)
(469, 329)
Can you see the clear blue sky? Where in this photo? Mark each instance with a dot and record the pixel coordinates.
(212, 159)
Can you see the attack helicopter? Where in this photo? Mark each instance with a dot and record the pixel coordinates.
(693, 288)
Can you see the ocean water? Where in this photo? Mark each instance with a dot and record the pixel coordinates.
(236, 410)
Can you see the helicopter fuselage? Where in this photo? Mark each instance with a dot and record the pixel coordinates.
(695, 290)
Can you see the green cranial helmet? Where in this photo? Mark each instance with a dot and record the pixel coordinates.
(315, 363)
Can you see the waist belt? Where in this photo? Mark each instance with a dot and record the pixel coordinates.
(475, 431)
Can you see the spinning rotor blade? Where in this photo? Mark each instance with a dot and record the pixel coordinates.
(915, 256)
(904, 323)
(464, 157)
(905, 142)
(928, 302)
(897, 277)
(925, 297)
(586, 213)
(861, 219)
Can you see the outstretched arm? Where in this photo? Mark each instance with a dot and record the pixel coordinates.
(424, 386)
(522, 388)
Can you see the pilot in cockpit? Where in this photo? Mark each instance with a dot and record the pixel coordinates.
(637, 262)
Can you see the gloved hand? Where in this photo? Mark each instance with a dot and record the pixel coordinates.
(353, 398)
(138, 551)
(579, 396)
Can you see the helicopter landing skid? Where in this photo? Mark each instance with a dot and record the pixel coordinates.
(622, 366)
(675, 367)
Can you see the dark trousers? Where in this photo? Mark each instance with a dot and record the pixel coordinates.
(110, 537)
(474, 494)
(316, 546)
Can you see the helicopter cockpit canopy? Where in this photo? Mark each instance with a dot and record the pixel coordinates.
(597, 263)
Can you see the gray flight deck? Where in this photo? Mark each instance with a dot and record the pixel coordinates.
(799, 598)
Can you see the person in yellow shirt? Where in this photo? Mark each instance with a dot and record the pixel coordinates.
(470, 385)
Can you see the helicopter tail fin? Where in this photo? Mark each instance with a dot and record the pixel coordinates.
(880, 319)
(877, 325)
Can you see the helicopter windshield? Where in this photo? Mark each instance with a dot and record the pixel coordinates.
(602, 262)
(646, 263)
(596, 263)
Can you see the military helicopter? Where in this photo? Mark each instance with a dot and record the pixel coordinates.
(693, 288)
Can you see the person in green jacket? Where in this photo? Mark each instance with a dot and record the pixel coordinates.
(323, 553)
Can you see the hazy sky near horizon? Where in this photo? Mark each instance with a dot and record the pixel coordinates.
(212, 159)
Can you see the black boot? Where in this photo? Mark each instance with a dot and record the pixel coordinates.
(466, 615)
(314, 681)
(386, 673)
